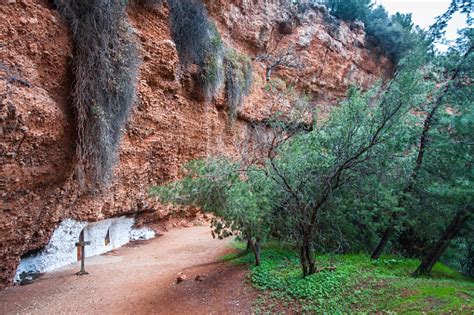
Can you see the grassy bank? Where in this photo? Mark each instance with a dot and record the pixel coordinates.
(356, 285)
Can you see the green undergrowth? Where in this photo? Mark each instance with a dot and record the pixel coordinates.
(357, 285)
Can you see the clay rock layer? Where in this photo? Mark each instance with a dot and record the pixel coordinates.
(167, 128)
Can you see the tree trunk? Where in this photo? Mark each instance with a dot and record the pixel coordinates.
(249, 245)
(303, 261)
(257, 251)
(438, 249)
(255, 246)
(310, 259)
(383, 242)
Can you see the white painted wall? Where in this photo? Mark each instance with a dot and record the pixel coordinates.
(61, 249)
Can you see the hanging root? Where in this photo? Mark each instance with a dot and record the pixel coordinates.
(198, 42)
(105, 69)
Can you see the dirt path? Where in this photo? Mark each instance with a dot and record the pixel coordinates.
(141, 279)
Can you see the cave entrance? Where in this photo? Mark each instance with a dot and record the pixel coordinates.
(79, 248)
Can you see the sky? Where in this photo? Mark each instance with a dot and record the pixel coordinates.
(424, 13)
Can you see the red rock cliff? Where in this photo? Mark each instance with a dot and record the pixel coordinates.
(167, 127)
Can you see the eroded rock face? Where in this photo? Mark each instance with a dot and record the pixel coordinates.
(333, 54)
(167, 127)
(37, 143)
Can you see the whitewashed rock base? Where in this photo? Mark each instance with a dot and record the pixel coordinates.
(61, 249)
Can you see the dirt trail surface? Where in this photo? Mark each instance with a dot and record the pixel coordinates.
(141, 279)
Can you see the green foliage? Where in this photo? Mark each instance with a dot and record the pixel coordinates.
(350, 10)
(446, 177)
(105, 66)
(238, 199)
(395, 35)
(303, 174)
(438, 29)
(238, 79)
(358, 284)
(198, 42)
(397, 155)
(316, 170)
(278, 273)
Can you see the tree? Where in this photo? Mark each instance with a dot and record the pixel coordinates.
(302, 170)
(438, 249)
(238, 196)
(282, 58)
(452, 71)
(313, 167)
(394, 35)
(448, 176)
(438, 29)
(405, 20)
(349, 10)
(396, 156)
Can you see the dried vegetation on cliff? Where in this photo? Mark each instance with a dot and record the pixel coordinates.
(198, 42)
(105, 67)
(166, 128)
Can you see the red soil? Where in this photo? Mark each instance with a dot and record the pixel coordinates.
(141, 279)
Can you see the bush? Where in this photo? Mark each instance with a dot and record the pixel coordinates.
(349, 10)
(218, 186)
(238, 79)
(394, 35)
(105, 68)
(198, 42)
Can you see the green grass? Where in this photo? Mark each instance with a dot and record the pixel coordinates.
(358, 285)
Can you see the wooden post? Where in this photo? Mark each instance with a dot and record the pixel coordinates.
(82, 245)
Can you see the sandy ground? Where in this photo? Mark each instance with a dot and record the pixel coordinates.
(141, 279)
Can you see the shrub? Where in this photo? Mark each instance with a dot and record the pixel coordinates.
(286, 58)
(198, 42)
(105, 67)
(394, 35)
(238, 79)
(349, 10)
(218, 186)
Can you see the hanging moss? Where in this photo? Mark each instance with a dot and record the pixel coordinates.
(198, 42)
(105, 68)
(238, 79)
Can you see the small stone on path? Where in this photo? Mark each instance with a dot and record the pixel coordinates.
(181, 278)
